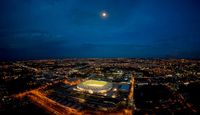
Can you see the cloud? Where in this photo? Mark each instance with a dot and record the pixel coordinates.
(31, 39)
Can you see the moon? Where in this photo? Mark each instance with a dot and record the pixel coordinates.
(104, 14)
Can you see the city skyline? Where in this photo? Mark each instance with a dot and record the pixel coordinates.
(100, 86)
(42, 29)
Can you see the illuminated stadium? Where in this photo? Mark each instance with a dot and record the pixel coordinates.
(94, 86)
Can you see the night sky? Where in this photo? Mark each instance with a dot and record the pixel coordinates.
(39, 29)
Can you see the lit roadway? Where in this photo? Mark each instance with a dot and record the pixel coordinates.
(131, 91)
(27, 67)
(51, 106)
(47, 104)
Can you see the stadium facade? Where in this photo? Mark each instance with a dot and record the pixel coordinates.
(95, 86)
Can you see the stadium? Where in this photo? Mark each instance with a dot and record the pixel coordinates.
(94, 86)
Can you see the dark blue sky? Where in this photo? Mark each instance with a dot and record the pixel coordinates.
(34, 29)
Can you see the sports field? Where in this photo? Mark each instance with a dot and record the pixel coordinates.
(94, 83)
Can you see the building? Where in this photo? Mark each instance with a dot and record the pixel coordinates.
(94, 86)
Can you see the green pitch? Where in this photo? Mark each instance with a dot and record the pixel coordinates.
(94, 83)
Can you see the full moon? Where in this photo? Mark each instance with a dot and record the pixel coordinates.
(103, 14)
